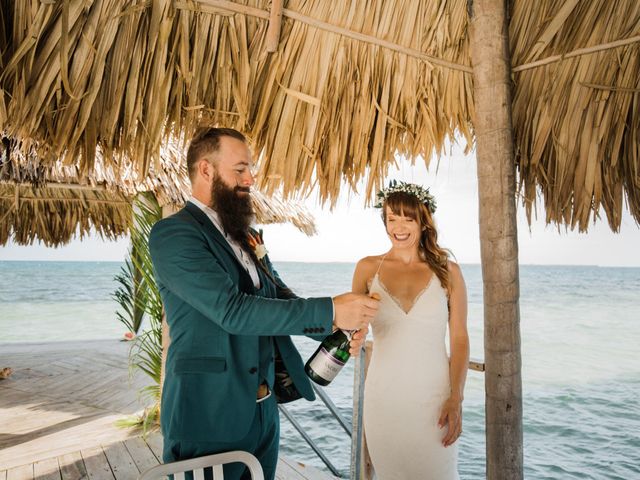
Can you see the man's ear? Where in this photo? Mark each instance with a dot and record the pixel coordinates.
(206, 169)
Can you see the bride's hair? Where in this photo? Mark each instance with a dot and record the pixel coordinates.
(436, 257)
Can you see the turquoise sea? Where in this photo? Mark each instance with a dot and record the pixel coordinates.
(580, 347)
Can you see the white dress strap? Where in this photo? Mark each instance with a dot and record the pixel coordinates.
(381, 261)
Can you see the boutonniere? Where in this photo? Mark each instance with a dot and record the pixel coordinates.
(256, 242)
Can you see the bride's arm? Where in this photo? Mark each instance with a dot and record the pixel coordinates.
(459, 362)
(458, 335)
(361, 276)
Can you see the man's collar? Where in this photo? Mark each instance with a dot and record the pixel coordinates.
(210, 212)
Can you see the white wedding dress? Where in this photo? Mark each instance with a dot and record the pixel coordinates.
(406, 386)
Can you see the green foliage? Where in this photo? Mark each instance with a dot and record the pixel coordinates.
(139, 298)
(148, 421)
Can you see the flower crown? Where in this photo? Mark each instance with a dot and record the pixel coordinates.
(422, 194)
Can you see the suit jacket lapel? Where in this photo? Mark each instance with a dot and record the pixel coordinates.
(213, 232)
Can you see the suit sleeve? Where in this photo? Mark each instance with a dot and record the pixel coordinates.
(283, 291)
(185, 266)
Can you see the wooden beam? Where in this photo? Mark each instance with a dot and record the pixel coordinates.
(476, 365)
(63, 186)
(215, 6)
(498, 237)
(275, 24)
(576, 53)
(56, 199)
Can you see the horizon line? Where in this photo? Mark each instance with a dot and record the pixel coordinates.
(345, 262)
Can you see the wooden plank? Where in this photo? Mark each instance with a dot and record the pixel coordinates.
(11, 395)
(141, 453)
(300, 471)
(57, 387)
(46, 469)
(23, 472)
(96, 464)
(72, 466)
(121, 463)
(116, 400)
(275, 23)
(285, 472)
(105, 383)
(477, 365)
(45, 418)
(155, 443)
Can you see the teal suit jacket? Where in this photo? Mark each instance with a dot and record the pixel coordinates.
(215, 319)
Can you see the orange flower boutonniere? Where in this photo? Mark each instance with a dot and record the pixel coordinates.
(256, 242)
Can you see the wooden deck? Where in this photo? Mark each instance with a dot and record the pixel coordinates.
(125, 461)
(57, 414)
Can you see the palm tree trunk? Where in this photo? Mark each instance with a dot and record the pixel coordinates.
(498, 238)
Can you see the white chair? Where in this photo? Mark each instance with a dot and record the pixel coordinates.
(197, 465)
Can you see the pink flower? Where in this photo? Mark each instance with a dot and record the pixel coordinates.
(128, 336)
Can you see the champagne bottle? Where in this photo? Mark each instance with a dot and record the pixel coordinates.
(327, 361)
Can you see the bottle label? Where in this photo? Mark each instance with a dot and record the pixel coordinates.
(326, 365)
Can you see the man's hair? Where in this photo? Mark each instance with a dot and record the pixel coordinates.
(206, 141)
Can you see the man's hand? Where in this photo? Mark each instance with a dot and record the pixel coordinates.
(357, 340)
(354, 311)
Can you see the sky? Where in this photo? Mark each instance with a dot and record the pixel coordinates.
(351, 231)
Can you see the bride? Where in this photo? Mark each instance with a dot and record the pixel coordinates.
(413, 392)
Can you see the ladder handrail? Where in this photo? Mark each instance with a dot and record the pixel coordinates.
(309, 440)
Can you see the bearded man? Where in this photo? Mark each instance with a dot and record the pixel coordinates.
(230, 316)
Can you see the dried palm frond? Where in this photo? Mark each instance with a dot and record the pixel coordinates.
(351, 85)
(72, 202)
(123, 76)
(577, 121)
(56, 215)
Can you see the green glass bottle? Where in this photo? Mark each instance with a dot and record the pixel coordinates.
(327, 361)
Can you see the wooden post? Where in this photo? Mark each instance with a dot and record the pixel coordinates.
(498, 237)
(275, 24)
(367, 466)
(361, 468)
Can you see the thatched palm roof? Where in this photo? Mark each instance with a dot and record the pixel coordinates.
(56, 214)
(54, 203)
(577, 119)
(349, 85)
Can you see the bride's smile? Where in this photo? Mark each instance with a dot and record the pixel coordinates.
(403, 231)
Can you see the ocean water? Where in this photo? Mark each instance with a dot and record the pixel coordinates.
(580, 352)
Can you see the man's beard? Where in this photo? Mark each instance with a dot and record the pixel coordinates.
(234, 210)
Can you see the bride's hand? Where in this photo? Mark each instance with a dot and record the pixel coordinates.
(357, 340)
(451, 415)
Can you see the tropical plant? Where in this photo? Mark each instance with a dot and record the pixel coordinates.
(139, 298)
(131, 316)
